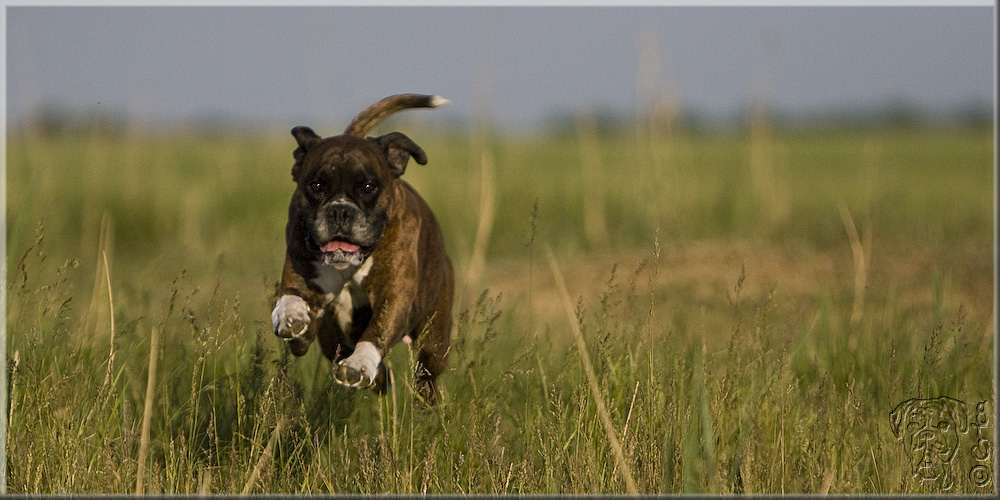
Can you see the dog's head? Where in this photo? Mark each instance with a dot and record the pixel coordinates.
(344, 188)
(929, 428)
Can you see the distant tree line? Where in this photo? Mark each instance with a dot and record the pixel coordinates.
(66, 120)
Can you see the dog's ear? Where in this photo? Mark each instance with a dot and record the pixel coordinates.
(398, 149)
(956, 410)
(306, 139)
(898, 417)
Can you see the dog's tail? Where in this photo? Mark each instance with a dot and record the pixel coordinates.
(377, 112)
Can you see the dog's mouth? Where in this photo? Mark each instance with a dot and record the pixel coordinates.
(341, 254)
(340, 246)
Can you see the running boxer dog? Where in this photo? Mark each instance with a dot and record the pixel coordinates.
(366, 265)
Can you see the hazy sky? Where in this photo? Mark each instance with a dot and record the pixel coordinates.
(283, 66)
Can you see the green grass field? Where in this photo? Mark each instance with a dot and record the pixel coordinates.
(753, 304)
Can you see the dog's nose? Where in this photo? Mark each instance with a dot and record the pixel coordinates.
(341, 214)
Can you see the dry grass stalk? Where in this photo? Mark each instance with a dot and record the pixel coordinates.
(205, 481)
(147, 411)
(111, 313)
(13, 387)
(105, 243)
(7, 398)
(827, 482)
(265, 457)
(860, 250)
(487, 214)
(588, 367)
(628, 419)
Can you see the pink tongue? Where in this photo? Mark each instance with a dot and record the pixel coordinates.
(340, 245)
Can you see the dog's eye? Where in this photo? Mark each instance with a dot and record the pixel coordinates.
(316, 187)
(369, 187)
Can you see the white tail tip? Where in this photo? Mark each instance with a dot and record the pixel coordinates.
(438, 101)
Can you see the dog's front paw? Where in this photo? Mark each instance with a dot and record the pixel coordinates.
(290, 317)
(290, 320)
(359, 369)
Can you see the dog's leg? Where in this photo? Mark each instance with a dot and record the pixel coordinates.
(432, 359)
(290, 319)
(296, 310)
(382, 380)
(390, 285)
(435, 343)
(361, 368)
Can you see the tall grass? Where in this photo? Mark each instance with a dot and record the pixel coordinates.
(730, 350)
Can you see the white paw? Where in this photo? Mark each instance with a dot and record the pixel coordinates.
(290, 317)
(360, 368)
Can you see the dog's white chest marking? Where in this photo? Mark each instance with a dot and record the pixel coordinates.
(351, 296)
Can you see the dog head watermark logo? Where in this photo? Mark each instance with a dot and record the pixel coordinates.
(930, 430)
